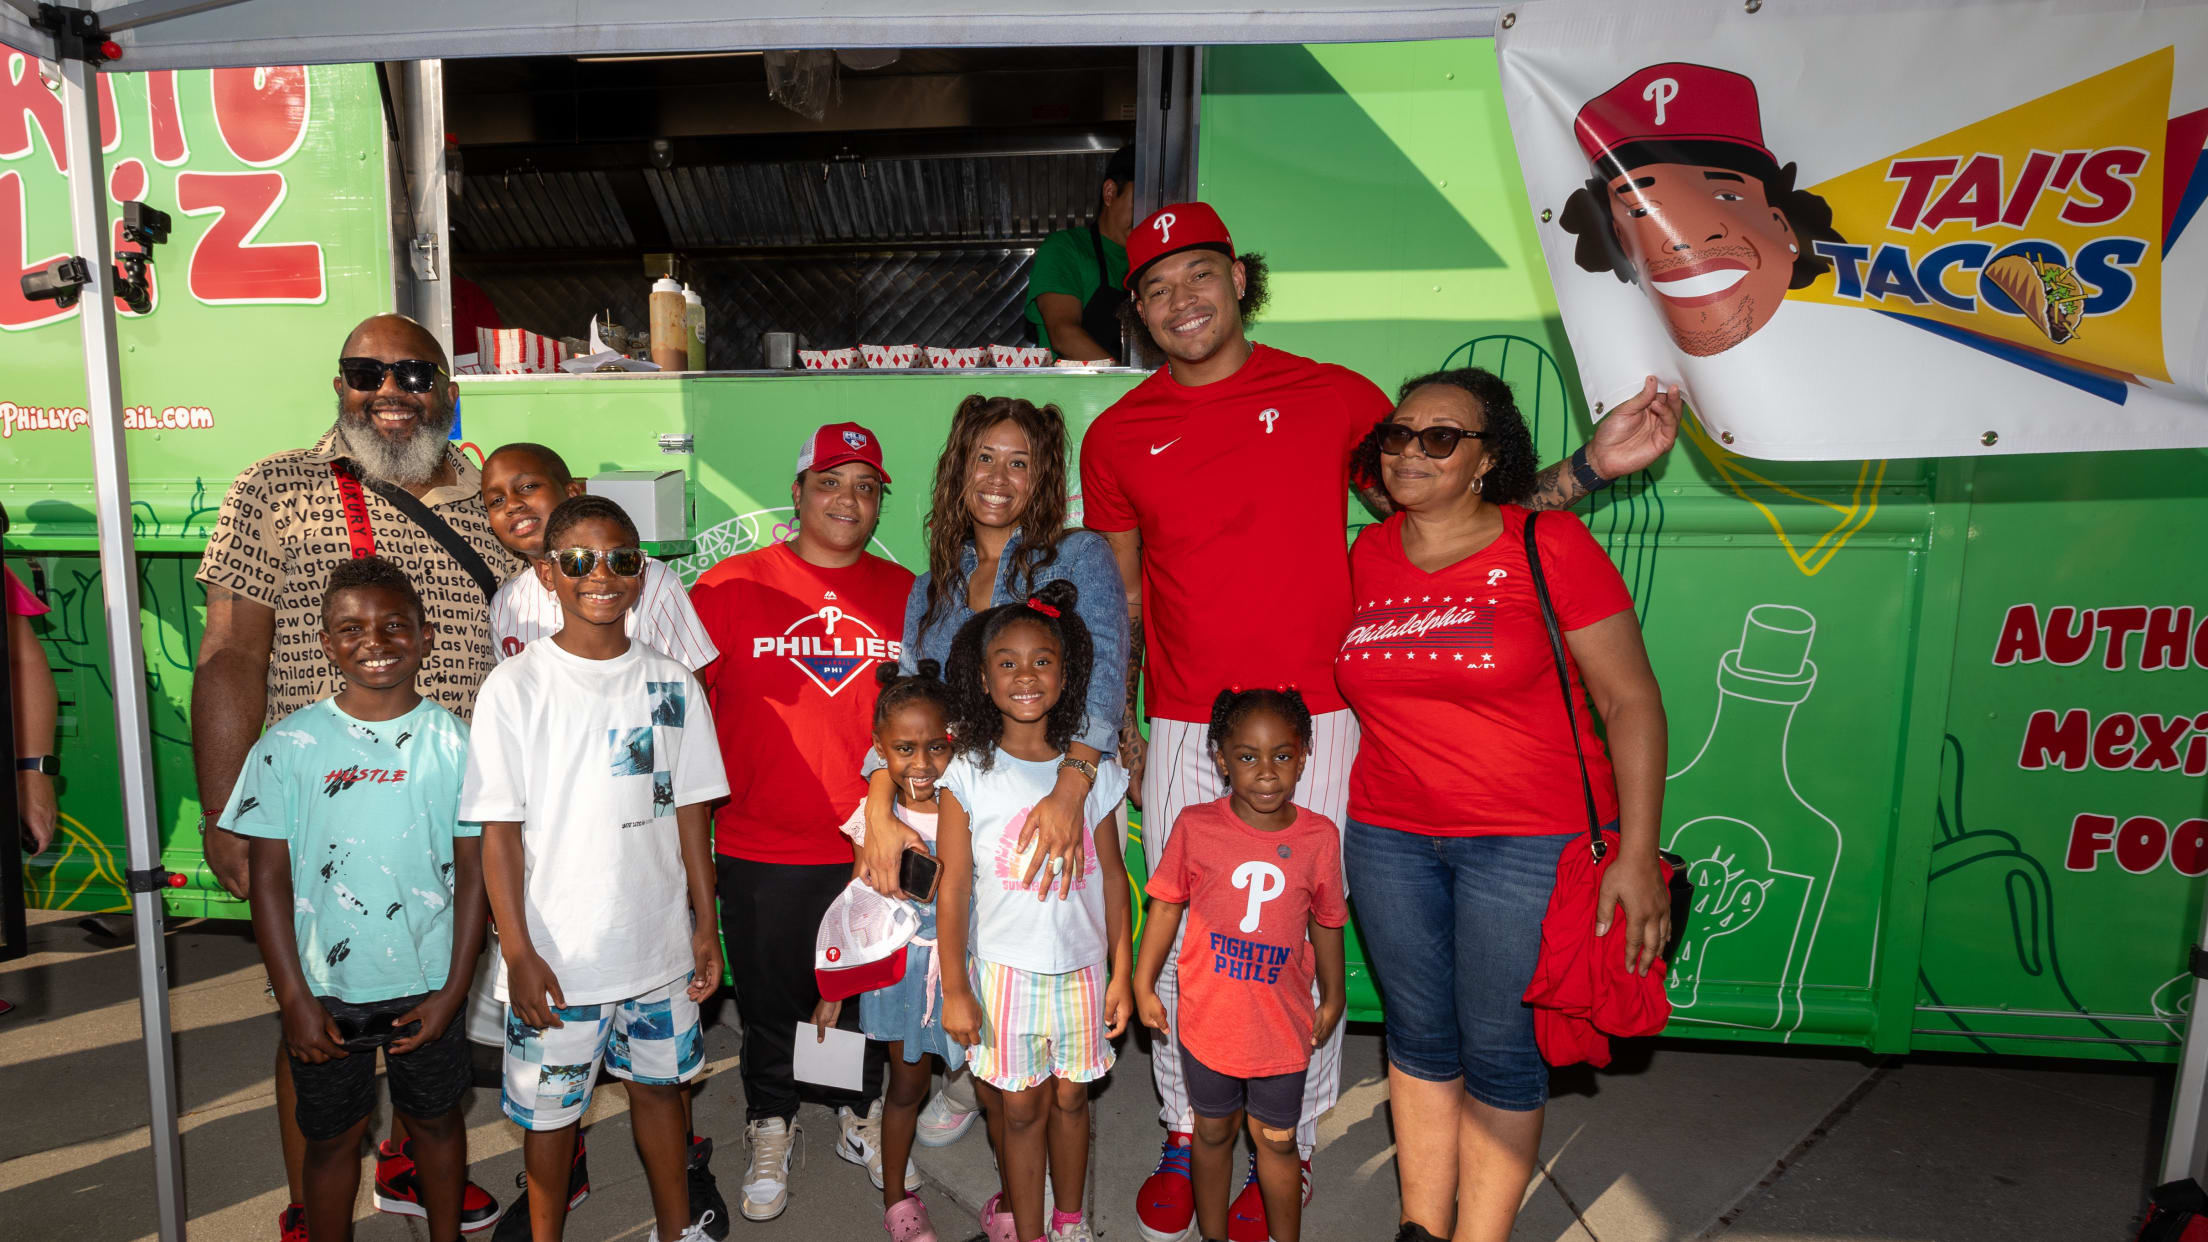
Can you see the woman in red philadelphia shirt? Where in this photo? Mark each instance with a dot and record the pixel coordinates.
(1466, 788)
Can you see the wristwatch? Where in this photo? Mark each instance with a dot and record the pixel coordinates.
(1584, 471)
(1083, 766)
(39, 763)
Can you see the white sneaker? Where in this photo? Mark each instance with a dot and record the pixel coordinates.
(859, 1140)
(1078, 1231)
(950, 1112)
(767, 1178)
(696, 1232)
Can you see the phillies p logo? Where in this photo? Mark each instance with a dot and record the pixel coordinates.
(1265, 882)
(1164, 225)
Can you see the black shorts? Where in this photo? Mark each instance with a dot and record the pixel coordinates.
(1276, 1100)
(430, 1081)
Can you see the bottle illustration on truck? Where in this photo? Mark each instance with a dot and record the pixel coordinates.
(1761, 857)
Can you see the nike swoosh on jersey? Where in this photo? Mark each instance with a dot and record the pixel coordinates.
(1156, 449)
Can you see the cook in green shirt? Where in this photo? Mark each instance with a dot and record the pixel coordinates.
(1074, 288)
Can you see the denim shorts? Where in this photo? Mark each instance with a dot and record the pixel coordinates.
(1452, 928)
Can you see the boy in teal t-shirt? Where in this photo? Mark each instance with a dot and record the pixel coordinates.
(369, 905)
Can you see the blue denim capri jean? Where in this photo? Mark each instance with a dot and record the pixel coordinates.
(1451, 928)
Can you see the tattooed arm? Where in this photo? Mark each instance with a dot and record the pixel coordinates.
(1632, 437)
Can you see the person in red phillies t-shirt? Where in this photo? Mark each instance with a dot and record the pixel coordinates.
(1259, 882)
(800, 627)
(1219, 470)
(1466, 792)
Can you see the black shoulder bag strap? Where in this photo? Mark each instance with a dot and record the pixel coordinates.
(437, 528)
(1564, 683)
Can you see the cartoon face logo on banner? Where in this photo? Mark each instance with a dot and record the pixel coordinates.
(1686, 202)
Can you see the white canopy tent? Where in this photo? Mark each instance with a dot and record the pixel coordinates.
(199, 34)
(196, 34)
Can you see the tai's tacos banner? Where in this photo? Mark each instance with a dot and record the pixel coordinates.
(1862, 230)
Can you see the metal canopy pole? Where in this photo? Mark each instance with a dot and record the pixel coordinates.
(119, 587)
(2185, 1153)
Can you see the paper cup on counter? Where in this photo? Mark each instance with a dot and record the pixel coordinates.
(957, 359)
(828, 359)
(1027, 356)
(892, 357)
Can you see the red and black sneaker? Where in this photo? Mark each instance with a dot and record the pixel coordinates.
(291, 1225)
(1246, 1215)
(399, 1191)
(1167, 1201)
(515, 1228)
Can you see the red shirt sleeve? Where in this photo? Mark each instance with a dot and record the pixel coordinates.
(1170, 881)
(20, 600)
(1104, 506)
(1586, 587)
(1362, 403)
(1329, 908)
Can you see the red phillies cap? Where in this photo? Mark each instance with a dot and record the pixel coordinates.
(837, 443)
(1172, 229)
(1672, 102)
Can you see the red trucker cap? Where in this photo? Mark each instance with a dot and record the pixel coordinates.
(1672, 102)
(837, 443)
(1172, 229)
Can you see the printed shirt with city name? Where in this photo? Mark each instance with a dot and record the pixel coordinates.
(1012, 928)
(793, 694)
(591, 758)
(524, 611)
(1246, 965)
(1452, 679)
(1240, 489)
(368, 810)
(281, 531)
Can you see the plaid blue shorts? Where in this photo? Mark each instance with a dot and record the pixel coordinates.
(654, 1038)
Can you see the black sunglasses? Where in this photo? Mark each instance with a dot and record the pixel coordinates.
(366, 374)
(578, 562)
(1439, 442)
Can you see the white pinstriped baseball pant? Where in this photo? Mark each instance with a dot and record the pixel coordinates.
(1179, 772)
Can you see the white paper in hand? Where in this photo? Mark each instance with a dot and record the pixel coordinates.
(838, 1062)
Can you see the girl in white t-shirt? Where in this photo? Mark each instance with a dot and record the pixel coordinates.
(912, 735)
(1034, 1009)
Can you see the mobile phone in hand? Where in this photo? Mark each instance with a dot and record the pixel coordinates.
(917, 874)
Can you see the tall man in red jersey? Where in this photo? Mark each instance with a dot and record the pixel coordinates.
(1222, 483)
(800, 627)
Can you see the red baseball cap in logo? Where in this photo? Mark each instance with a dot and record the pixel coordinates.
(1671, 103)
(838, 443)
(1172, 229)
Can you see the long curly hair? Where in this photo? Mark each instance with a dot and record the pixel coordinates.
(977, 723)
(1509, 444)
(950, 526)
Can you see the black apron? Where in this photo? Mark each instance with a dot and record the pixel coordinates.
(1100, 316)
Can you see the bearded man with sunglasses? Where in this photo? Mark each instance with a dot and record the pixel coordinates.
(383, 480)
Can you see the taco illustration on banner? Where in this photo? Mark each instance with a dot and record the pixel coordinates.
(1686, 201)
(2050, 295)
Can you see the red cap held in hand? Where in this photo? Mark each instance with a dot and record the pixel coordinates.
(837, 443)
(1172, 229)
(1672, 102)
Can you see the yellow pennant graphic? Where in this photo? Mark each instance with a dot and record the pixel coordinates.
(2039, 227)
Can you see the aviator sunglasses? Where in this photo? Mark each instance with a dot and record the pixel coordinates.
(1439, 442)
(416, 375)
(579, 562)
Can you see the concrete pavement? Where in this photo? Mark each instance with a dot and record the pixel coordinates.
(1678, 1140)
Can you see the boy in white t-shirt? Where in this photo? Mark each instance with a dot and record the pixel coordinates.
(522, 484)
(592, 764)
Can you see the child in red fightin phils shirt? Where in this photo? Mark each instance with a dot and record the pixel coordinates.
(1259, 880)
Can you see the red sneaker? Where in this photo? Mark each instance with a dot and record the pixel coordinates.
(1167, 1201)
(399, 1192)
(1246, 1215)
(291, 1224)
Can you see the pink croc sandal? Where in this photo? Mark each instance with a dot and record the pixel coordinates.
(908, 1221)
(996, 1221)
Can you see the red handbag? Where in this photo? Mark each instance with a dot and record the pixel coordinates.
(1582, 994)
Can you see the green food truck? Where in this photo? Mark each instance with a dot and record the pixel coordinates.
(1937, 743)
